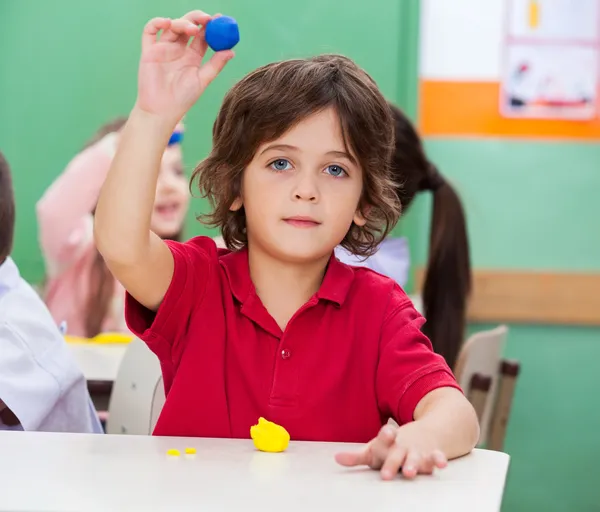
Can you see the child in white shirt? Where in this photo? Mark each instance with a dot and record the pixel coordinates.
(41, 387)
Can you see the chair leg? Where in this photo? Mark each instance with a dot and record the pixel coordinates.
(509, 372)
(479, 387)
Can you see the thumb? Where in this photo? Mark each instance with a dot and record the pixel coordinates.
(209, 71)
(350, 459)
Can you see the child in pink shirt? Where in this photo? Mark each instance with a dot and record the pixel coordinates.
(80, 290)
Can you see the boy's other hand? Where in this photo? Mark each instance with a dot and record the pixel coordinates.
(410, 449)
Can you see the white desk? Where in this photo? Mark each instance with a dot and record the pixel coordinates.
(98, 362)
(88, 473)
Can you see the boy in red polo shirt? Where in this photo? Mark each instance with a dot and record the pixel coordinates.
(276, 326)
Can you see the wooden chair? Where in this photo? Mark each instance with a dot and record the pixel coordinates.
(489, 382)
(509, 372)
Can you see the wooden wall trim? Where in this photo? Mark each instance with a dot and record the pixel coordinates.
(533, 297)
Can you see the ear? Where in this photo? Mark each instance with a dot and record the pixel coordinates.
(359, 218)
(236, 205)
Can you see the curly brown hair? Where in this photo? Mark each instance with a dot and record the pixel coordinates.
(271, 100)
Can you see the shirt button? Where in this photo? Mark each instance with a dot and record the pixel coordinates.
(285, 354)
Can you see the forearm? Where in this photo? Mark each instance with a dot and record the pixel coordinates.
(450, 419)
(122, 221)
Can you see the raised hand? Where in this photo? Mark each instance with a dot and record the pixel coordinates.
(171, 75)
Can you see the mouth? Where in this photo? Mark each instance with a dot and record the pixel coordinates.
(167, 210)
(302, 222)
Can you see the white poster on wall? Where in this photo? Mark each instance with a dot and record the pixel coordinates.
(558, 20)
(551, 59)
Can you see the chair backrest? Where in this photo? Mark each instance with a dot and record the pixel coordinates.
(157, 403)
(481, 357)
(137, 392)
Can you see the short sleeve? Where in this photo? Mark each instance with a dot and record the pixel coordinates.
(39, 380)
(27, 388)
(164, 331)
(408, 367)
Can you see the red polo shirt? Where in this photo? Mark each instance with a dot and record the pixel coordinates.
(349, 359)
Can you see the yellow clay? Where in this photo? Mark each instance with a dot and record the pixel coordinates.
(269, 437)
(173, 452)
(190, 451)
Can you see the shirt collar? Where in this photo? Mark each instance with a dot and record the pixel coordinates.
(334, 288)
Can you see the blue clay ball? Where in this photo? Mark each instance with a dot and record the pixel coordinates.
(222, 33)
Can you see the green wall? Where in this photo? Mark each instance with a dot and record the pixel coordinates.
(58, 86)
(527, 211)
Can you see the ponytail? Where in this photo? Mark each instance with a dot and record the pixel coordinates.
(448, 275)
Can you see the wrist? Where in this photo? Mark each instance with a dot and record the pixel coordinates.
(158, 125)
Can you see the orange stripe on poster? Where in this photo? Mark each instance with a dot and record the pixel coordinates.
(473, 109)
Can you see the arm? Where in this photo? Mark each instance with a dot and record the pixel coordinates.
(29, 393)
(64, 211)
(170, 80)
(416, 387)
(450, 419)
(138, 258)
(445, 427)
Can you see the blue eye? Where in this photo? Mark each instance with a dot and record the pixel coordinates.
(281, 164)
(336, 170)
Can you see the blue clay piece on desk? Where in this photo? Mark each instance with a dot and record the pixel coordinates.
(222, 33)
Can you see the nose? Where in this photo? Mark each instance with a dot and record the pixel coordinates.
(306, 187)
(166, 180)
